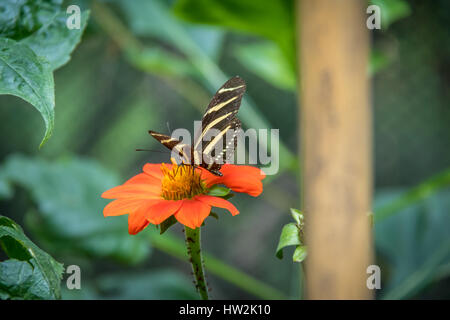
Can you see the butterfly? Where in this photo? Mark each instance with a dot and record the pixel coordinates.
(215, 143)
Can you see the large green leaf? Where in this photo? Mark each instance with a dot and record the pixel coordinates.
(69, 208)
(44, 43)
(25, 75)
(20, 18)
(55, 41)
(30, 273)
(271, 19)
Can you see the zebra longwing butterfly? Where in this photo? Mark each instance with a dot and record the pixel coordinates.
(215, 143)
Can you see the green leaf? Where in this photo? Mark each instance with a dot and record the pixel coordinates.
(20, 18)
(228, 196)
(160, 61)
(54, 41)
(146, 18)
(25, 75)
(250, 16)
(44, 44)
(266, 60)
(298, 216)
(219, 191)
(299, 254)
(69, 214)
(290, 236)
(30, 273)
(392, 10)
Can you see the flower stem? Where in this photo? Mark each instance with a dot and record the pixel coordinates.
(174, 247)
(195, 257)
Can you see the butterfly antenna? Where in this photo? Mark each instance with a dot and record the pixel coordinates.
(152, 150)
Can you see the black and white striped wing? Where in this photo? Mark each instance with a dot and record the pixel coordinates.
(219, 118)
(222, 147)
(184, 151)
(226, 101)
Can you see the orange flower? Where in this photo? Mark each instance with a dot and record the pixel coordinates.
(163, 190)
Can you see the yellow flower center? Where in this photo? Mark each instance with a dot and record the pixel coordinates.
(181, 182)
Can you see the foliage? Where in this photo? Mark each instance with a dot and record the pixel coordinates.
(414, 242)
(154, 285)
(273, 61)
(69, 220)
(69, 208)
(248, 16)
(392, 10)
(292, 235)
(414, 195)
(20, 19)
(29, 77)
(266, 60)
(219, 191)
(34, 41)
(30, 273)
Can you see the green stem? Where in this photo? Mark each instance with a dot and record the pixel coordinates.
(195, 257)
(173, 246)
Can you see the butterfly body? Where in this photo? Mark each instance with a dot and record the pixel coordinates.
(212, 145)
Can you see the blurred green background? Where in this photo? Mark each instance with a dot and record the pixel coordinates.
(143, 64)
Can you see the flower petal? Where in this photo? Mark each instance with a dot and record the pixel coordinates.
(140, 191)
(209, 178)
(154, 169)
(125, 206)
(136, 223)
(192, 213)
(219, 203)
(246, 179)
(157, 213)
(143, 178)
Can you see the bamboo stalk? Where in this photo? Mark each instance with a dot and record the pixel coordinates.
(336, 147)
